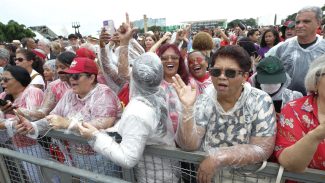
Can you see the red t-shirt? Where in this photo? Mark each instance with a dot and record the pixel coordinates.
(297, 119)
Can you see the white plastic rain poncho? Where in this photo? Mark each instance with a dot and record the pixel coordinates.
(240, 136)
(144, 122)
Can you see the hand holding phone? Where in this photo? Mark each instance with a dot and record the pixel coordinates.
(3, 102)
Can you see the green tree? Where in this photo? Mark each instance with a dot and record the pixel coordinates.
(14, 30)
(154, 28)
(2, 33)
(247, 22)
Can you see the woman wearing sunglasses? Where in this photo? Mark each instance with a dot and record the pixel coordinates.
(86, 102)
(17, 90)
(232, 121)
(55, 90)
(197, 66)
(33, 64)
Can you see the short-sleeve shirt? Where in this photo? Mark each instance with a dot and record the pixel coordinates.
(297, 119)
(252, 115)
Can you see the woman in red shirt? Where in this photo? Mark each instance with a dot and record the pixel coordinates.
(300, 141)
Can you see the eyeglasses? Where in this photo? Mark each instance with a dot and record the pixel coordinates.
(4, 79)
(229, 73)
(77, 75)
(19, 59)
(167, 57)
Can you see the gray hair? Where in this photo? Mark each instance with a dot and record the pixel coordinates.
(317, 10)
(315, 71)
(4, 54)
(45, 42)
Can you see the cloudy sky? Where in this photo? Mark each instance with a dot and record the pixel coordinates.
(59, 14)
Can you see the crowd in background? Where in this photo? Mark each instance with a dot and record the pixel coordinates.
(242, 95)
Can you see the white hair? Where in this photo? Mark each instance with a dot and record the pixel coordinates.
(316, 69)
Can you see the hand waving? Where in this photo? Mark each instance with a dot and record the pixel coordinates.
(186, 93)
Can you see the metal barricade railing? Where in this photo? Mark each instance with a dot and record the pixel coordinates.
(160, 163)
(74, 172)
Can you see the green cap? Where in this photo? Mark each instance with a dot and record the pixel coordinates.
(270, 70)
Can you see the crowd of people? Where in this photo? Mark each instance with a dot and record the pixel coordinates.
(242, 96)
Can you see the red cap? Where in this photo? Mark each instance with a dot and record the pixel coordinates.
(39, 53)
(85, 52)
(81, 65)
(289, 23)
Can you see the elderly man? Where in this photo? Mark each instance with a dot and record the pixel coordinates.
(45, 45)
(297, 53)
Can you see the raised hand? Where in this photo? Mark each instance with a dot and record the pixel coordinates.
(126, 31)
(104, 38)
(186, 93)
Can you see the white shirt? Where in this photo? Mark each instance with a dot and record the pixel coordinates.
(38, 80)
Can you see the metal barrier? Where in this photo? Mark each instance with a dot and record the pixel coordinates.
(76, 163)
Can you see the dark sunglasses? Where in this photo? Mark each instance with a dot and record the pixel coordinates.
(19, 59)
(229, 73)
(77, 75)
(4, 79)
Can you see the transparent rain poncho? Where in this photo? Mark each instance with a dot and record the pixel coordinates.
(240, 136)
(144, 122)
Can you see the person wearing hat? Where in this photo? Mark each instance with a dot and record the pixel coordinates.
(149, 126)
(271, 77)
(86, 102)
(288, 30)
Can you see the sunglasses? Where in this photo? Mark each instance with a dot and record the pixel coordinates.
(19, 59)
(77, 75)
(167, 57)
(4, 79)
(229, 73)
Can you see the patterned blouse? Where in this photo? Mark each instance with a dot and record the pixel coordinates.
(297, 119)
(252, 115)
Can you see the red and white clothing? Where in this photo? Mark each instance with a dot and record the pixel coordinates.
(31, 99)
(297, 119)
(54, 92)
(202, 83)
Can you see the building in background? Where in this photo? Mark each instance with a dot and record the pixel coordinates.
(161, 22)
(44, 31)
(208, 24)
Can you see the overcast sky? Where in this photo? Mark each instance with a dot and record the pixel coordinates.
(59, 14)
